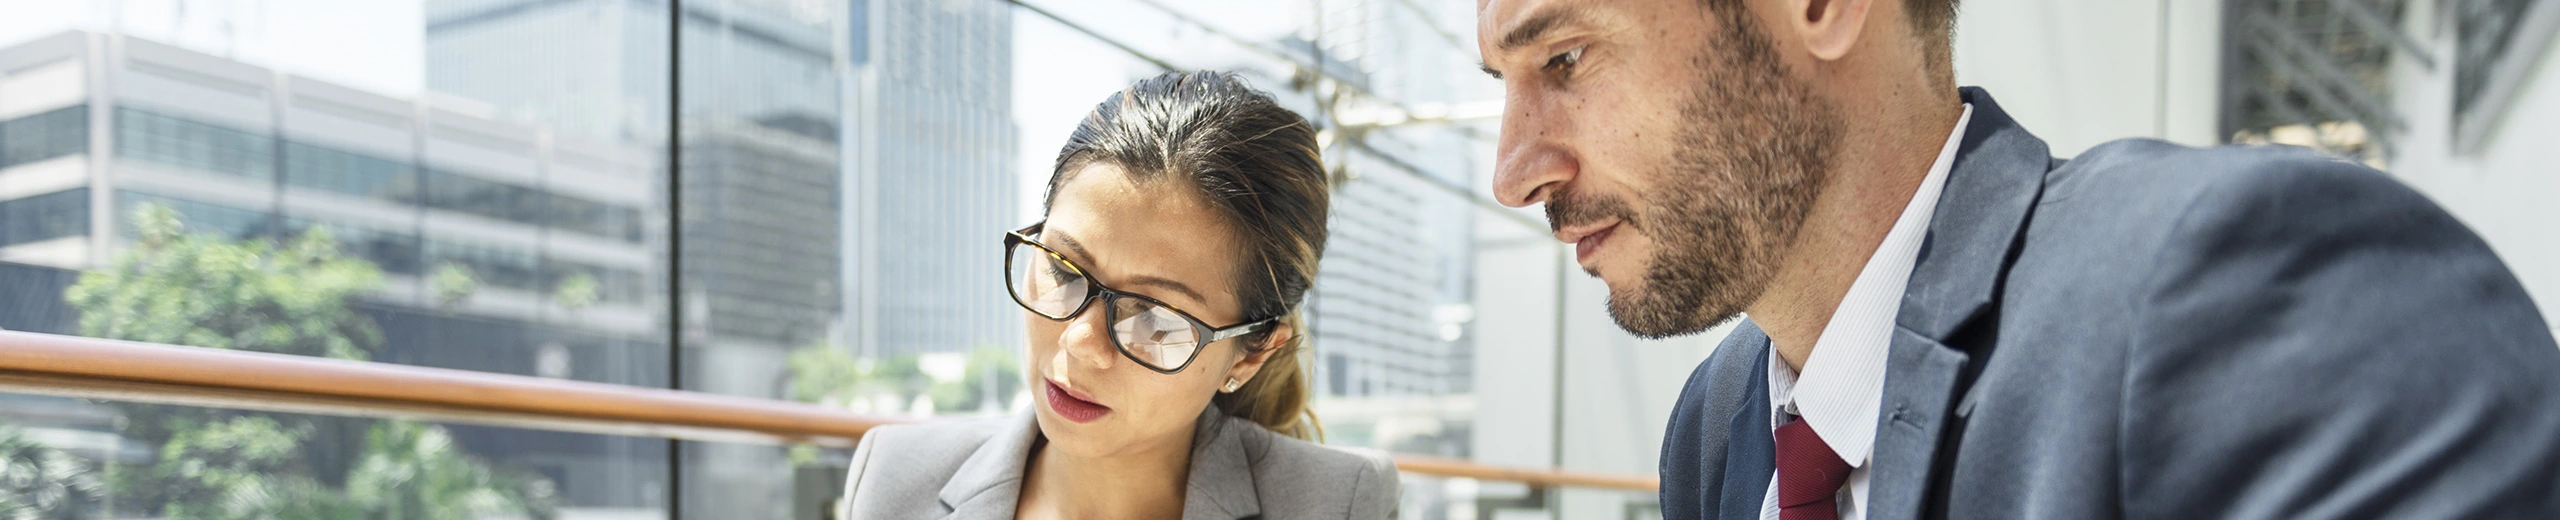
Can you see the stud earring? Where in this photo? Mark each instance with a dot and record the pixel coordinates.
(1231, 386)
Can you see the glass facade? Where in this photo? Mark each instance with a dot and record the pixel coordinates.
(777, 199)
(44, 217)
(462, 240)
(59, 132)
(88, 457)
(192, 145)
(362, 175)
(228, 222)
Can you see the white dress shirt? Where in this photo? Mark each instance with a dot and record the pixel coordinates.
(1843, 381)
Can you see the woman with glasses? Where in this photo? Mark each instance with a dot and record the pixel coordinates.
(1182, 227)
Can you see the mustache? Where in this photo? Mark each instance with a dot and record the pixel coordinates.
(1568, 208)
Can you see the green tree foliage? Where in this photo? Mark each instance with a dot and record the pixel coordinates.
(830, 375)
(205, 291)
(576, 292)
(833, 376)
(238, 468)
(41, 483)
(412, 473)
(452, 283)
(993, 376)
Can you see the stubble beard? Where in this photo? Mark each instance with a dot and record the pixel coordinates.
(1754, 152)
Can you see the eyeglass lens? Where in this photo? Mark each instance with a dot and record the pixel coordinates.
(1150, 333)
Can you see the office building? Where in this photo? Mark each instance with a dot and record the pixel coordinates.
(1393, 305)
(93, 125)
(931, 177)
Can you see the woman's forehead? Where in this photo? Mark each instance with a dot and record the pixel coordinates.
(1130, 234)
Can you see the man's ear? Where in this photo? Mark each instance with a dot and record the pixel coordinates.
(1829, 28)
(1251, 364)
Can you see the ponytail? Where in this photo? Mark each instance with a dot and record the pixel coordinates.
(1276, 397)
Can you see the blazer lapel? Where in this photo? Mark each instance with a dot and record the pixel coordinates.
(1990, 194)
(1751, 453)
(989, 483)
(1220, 486)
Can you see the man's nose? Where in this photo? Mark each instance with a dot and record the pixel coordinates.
(1529, 162)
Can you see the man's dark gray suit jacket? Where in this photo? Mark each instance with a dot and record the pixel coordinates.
(2155, 331)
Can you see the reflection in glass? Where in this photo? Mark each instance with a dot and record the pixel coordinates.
(108, 459)
(248, 208)
(195, 145)
(55, 133)
(44, 217)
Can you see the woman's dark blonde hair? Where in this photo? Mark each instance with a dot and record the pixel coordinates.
(1257, 163)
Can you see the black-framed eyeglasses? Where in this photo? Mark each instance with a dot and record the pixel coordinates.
(1151, 332)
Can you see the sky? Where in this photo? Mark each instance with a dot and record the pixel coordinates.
(1060, 74)
(378, 45)
(373, 45)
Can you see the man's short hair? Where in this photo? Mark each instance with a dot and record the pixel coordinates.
(1934, 21)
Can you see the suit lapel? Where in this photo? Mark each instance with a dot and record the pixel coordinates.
(1751, 454)
(989, 483)
(1990, 192)
(1220, 485)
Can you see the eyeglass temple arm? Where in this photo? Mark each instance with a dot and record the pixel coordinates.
(1239, 330)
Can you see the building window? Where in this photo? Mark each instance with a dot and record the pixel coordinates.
(350, 173)
(455, 192)
(395, 252)
(199, 217)
(2496, 42)
(2312, 74)
(59, 132)
(491, 267)
(44, 217)
(193, 145)
(594, 218)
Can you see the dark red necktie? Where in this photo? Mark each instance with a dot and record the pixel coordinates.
(1809, 475)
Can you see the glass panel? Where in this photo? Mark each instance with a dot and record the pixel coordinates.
(44, 217)
(353, 173)
(418, 194)
(84, 458)
(59, 132)
(193, 145)
(762, 191)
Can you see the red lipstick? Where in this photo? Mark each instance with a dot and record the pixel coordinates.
(1072, 405)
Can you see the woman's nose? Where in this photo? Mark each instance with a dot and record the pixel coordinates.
(1088, 339)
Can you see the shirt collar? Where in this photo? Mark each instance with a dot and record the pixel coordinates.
(1842, 386)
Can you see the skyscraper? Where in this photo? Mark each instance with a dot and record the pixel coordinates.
(1391, 306)
(758, 179)
(759, 173)
(843, 173)
(932, 177)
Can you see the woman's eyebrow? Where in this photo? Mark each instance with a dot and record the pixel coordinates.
(1167, 284)
(1132, 280)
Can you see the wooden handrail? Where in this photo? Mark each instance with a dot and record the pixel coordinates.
(1462, 468)
(48, 364)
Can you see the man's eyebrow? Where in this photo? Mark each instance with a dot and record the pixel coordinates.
(1538, 24)
(1133, 279)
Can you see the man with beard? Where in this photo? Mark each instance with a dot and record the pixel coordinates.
(1946, 322)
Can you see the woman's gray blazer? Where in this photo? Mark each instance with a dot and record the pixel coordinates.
(972, 469)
